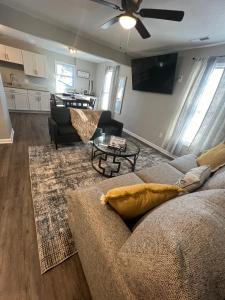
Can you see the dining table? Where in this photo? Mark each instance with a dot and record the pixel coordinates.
(76, 100)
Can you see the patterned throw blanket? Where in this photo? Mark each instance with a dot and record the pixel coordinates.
(85, 122)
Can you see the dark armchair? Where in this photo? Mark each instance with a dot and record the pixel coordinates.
(108, 125)
(61, 130)
(60, 127)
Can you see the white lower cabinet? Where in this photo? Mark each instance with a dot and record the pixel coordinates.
(39, 100)
(17, 99)
(10, 101)
(21, 102)
(21, 99)
(34, 102)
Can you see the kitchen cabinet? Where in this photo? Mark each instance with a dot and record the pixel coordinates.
(11, 54)
(21, 101)
(17, 99)
(2, 52)
(30, 100)
(34, 64)
(39, 100)
(10, 101)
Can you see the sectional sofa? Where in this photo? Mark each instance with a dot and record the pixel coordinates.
(176, 251)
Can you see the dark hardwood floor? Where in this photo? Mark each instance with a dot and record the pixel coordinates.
(20, 276)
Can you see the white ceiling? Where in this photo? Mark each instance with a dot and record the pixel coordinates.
(202, 18)
(14, 37)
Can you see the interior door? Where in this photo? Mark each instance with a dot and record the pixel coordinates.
(14, 55)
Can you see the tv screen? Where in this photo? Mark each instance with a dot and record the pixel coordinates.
(154, 74)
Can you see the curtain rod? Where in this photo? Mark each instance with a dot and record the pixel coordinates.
(199, 58)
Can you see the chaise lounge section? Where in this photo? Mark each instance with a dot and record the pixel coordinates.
(176, 251)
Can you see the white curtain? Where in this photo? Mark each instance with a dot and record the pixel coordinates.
(110, 85)
(115, 81)
(211, 129)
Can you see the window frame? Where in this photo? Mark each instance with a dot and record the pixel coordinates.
(73, 76)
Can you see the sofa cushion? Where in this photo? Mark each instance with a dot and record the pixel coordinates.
(194, 179)
(184, 163)
(217, 181)
(118, 181)
(214, 157)
(105, 117)
(66, 130)
(163, 173)
(135, 200)
(177, 252)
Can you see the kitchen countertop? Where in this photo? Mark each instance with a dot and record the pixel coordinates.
(32, 88)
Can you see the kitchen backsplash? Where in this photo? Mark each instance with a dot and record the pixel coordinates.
(20, 79)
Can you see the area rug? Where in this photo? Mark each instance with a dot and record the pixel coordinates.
(55, 172)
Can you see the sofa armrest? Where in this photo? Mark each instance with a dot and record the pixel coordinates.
(99, 233)
(117, 124)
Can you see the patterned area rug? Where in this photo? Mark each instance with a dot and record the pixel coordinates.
(53, 173)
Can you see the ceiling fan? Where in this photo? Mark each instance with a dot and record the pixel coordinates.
(128, 19)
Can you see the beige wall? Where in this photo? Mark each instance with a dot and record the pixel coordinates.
(152, 116)
(81, 84)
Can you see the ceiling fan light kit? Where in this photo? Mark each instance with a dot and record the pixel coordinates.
(129, 21)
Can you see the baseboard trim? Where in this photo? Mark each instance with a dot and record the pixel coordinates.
(143, 140)
(9, 140)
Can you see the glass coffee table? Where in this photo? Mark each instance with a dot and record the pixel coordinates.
(107, 161)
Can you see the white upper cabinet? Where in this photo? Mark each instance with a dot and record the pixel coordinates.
(14, 55)
(2, 52)
(34, 64)
(29, 63)
(41, 63)
(11, 54)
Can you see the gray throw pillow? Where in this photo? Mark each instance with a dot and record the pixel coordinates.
(194, 179)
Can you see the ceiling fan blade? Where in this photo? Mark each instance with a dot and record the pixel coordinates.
(142, 29)
(106, 3)
(111, 22)
(171, 15)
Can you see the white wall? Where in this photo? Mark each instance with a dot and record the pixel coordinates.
(150, 115)
(26, 23)
(7, 68)
(82, 83)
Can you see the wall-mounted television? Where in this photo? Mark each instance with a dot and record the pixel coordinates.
(154, 74)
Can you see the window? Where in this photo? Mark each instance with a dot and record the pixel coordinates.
(65, 74)
(106, 89)
(204, 102)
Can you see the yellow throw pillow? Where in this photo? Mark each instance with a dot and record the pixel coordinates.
(214, 157)
(133, 201)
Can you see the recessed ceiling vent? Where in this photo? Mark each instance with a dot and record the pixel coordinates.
(204, 38)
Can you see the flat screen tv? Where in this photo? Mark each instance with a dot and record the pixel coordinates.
(154, 74)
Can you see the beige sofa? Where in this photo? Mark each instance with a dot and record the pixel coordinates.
(176, 251)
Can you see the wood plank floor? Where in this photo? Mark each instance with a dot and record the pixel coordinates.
(19, 264)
